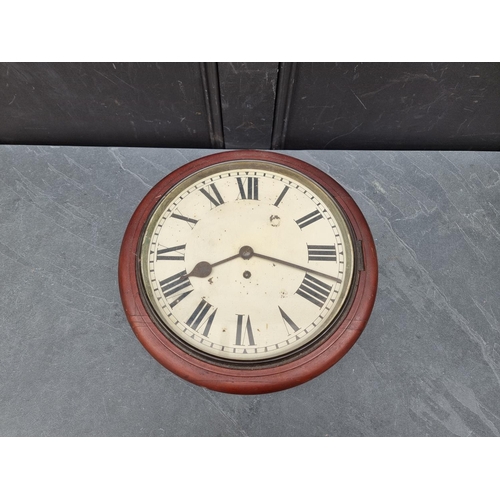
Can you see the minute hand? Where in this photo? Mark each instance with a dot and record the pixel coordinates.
(296, 266)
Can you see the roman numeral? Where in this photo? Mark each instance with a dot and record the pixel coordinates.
(179, 216)
(246, 334)
(314, 290)
(309, 219)
(288, 320)
(197, 319)
(252, 189)
(172, 253)
(212, 189)
(280, 197)
(322, 252)
(175, 285)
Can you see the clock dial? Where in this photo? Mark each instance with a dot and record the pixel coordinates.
(246, 261)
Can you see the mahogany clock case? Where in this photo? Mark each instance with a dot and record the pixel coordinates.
(279, 374)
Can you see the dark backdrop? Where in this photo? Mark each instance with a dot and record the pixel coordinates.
(253, 105)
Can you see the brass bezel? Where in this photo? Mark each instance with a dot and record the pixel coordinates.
(342, 301)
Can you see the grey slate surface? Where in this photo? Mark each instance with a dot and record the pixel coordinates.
(427, 364)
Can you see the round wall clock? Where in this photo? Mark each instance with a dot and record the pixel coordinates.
(248, 272)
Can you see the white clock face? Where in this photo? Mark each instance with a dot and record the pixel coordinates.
(247, 260)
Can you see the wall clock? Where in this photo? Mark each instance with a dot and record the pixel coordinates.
(248, 272)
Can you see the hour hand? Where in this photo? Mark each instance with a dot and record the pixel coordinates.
(204, 268)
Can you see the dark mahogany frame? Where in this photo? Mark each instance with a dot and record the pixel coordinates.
(261, 379)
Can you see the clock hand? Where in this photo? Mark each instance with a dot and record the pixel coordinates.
(296, 266)
(204, 269)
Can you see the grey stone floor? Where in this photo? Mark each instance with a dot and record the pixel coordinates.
(427, 364)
